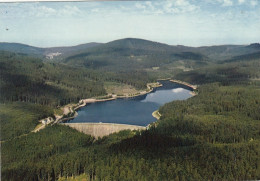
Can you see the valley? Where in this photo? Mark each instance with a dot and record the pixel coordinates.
(213, 135)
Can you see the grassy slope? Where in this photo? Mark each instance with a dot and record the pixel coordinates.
(119, 88)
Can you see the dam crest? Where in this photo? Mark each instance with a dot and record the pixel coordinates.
(102, 129)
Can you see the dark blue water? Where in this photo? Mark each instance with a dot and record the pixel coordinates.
(134, 111)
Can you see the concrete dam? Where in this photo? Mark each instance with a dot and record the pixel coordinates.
(102, 129)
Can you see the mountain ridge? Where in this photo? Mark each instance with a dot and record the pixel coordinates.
(42, 52)
(253, 44)
(128, 45)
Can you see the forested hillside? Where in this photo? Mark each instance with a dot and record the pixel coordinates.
(239, 72)
(29, 86)
(212, 136)
(132, 53)
(19, 118)
(29, 79)
(135, 46)
(43, 52)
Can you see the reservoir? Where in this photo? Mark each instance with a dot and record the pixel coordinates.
(133, 111)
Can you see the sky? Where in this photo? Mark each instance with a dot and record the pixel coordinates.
(175, 22)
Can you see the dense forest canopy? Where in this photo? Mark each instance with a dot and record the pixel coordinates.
(29, 79)
(212, 136)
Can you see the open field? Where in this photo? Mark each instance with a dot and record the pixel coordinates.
(119, 89)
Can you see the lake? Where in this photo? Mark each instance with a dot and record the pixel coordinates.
(134, 111)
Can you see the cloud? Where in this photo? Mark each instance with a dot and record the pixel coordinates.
(226, 2)
(43, 11)
(253, 2)
(147, 7)
(179, 6)
(150, 5)
(140, 6)
(241, 1)
(182, 3)
(187, 22)
(69, 11)
(178, 90)
(166, 7)
(40, 10)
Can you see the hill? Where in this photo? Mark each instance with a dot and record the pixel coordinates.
(21, 48)
(66, 51)
(29, 79)
(132, 54)
(245, 57)
(44, 52)
(211, 136)
(224, 52)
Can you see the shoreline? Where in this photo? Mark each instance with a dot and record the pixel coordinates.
(84, 102)
(156, 114)
(150, 87)
(194, 87)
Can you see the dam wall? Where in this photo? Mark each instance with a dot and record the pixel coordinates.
(102, 129)
(194, 87)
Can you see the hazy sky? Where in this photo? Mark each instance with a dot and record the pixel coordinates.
(186, 22)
